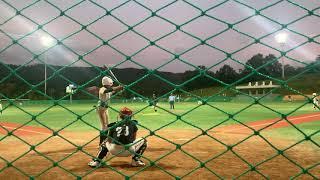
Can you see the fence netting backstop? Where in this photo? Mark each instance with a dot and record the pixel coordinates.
(136, 33)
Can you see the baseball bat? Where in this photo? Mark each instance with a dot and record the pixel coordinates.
(111, 74)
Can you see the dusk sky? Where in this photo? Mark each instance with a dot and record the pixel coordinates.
(178, 12)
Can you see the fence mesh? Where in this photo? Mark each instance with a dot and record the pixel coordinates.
(36, 57)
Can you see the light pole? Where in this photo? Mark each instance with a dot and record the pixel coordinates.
(46, 41)
(281, 38)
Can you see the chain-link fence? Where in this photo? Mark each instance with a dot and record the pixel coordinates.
(131, 31)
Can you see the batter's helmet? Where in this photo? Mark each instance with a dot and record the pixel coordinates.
(106, 81)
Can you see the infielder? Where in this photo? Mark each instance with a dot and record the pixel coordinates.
(172, 99)
(315, 101)
(155, 101)
(0, 107)
(120, 135)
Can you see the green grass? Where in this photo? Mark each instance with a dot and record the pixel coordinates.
(290, 132)
(203, 116)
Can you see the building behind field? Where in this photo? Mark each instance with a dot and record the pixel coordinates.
(257, 88)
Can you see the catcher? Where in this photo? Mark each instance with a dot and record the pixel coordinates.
(121, 141)
(315, 101)
(105, 93)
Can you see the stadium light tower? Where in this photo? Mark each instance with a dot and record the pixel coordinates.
(46, 41)
(281, 38)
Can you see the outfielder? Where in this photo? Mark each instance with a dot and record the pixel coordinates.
(315, 101)
(121, 135)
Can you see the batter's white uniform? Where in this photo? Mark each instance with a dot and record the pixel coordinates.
(315, 102)
(104, 97)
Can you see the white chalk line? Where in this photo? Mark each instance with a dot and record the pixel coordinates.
(43, 133)
(21, 129)
(149, 114)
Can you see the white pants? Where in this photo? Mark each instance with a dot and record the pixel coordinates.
(119, 150)
(315, 103)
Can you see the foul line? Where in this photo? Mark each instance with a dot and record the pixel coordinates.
(20, 129)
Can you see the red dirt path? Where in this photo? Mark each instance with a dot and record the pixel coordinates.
(254, 150)
(228, 166)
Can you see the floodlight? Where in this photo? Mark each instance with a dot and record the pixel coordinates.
(281, 38)
(47, 41)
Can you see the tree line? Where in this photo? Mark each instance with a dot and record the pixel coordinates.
(22, 81)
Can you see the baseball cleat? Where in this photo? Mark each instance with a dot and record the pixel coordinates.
(137, 163)
(94, 163)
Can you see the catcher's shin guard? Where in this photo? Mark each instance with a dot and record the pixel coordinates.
(103, 136)
(103, 151)
(141, 150)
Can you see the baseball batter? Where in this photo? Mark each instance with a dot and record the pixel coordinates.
(121, 135)
(105, 93)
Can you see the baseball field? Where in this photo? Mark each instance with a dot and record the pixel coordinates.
(243, 76)
(212, 141)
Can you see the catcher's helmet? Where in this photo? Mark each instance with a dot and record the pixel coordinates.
(125, 112)
(107, 81)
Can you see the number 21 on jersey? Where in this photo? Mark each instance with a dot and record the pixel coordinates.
(120, 129)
